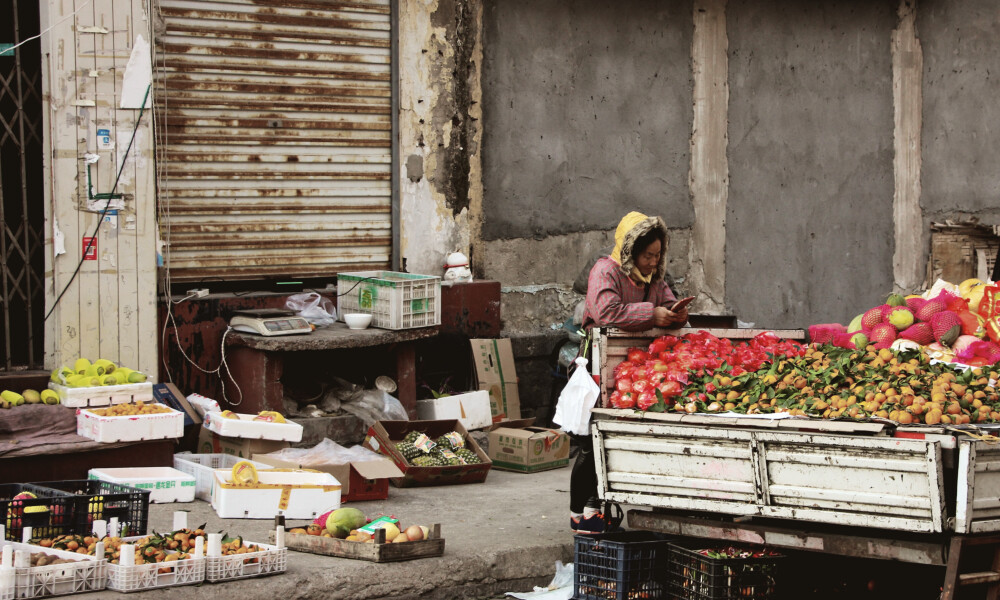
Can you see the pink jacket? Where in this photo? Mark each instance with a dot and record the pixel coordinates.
(615, 300)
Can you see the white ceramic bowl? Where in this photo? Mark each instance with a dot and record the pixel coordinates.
(358, 320)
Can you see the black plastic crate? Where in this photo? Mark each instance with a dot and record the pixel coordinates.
(627, 565)
(697, 576)
(95, 500)
(49, 513)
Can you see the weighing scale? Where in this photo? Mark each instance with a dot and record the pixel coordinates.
(269, 322)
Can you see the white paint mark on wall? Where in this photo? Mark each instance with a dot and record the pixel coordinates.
(58, 238)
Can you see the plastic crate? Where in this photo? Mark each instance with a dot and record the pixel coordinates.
(49, 514)
(694, 576)
(147, 576)
(395, 300)
(267, 561)
(85, 574)
(95, 500)
(627, 565)
(200, 466)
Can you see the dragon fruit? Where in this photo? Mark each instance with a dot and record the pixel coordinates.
(882, 335)
(886, 311)
(921, 333)
(871, 318)
(962, 344)
(929, 309)
(947, 327)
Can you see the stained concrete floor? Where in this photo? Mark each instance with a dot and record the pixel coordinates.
(501, 535)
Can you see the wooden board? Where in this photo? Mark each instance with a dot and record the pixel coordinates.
(371, 551)
(791, 423)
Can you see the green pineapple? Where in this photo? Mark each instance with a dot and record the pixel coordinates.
(410, 437)
(408, 450)
(468, 456)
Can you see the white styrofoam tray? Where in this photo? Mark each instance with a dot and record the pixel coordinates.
(165, 484)
(201, 466)
(472, 409)
(132, 428)
(103, 395)
(147, 576)
(86, 574)
(294, 493)
(245, 427)
(267, 561)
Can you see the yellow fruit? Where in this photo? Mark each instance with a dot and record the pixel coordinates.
(31, 397)
(975, 297)
(81, 365)
(50, 397)
(968, 285)
(391, 531)
(12, 397)
(136, 377)
(109, 380)
(107, 365)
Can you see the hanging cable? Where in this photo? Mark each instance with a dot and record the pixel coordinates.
(104, 212)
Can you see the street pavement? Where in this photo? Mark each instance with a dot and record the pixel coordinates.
(505, 534)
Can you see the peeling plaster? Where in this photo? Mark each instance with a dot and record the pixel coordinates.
(439, 127)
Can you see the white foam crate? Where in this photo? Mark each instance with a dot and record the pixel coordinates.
(201, 467)
(268, 560)
(132, 428)
(165, 484)
(7, 588)
(395, 300)
(294, 493)
(103, 395)
(86, 574)
(245, 427)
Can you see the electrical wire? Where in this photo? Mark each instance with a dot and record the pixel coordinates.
(104, 212)
(53, 26)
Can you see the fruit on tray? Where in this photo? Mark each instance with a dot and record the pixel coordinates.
(341, 521)
(231, 546)
(43, 559)
(131, 409)
(228, 414)
(420, 450)
(92, 374)
(154, 548)
(270, 416)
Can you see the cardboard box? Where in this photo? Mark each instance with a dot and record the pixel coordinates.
(472, 409)
(494, 362)
(529, 449)
(383, 436)
(368, 480)
(212, 443)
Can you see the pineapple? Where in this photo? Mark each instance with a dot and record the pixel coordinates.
(409, 451)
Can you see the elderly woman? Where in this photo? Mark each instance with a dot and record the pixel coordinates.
(624, 290)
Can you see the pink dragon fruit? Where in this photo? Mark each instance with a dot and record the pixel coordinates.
(921, 333)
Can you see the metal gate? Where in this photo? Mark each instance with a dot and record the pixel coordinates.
(274, 137)
(21, 200)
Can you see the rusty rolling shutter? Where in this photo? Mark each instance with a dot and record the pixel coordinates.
(274, 137)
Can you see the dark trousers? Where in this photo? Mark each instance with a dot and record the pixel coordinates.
(583, 479)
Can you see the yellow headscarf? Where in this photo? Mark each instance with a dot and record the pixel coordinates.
(625, 236)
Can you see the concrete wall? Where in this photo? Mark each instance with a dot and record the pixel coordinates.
(440, 49)
(961, 136)
(809, 230)
(108, 309)
(587, 116)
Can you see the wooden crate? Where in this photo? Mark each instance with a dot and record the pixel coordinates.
(377, 551)
(610, 346)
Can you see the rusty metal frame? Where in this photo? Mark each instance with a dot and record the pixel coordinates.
(22, 237)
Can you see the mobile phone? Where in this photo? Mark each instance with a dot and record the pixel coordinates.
(681, 304)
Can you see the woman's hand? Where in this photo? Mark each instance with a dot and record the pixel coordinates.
(663, 317)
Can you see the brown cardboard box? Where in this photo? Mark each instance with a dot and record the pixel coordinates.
(529, 449)
(368, 480)
(211, 443)
(494, 361)
(383, 436)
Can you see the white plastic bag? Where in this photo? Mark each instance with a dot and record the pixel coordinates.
(577, 398)
(312, 307)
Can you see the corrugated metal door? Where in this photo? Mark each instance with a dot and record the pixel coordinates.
(274, 147)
